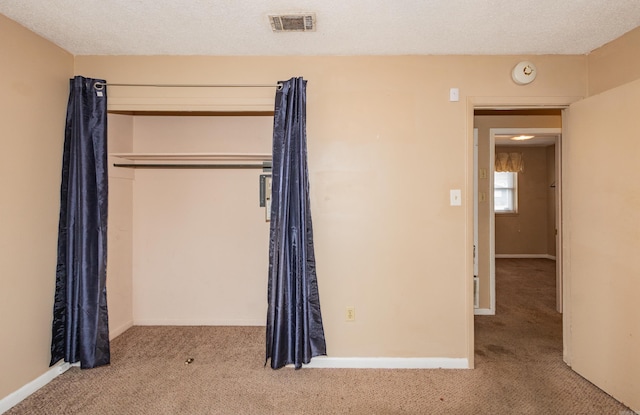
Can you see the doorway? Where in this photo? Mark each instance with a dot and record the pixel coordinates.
(533, 229)
(494, 127)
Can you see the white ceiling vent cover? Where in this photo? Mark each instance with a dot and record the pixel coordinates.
(298, 22)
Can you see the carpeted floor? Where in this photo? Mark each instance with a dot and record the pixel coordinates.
(519, 370)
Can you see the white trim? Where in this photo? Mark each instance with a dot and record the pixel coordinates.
(484, 312)
(193, 156)
(523, 256)
(388, 363)
(18, 396)
(558, 224)
(113, 333)
(198, 322)
(476, 270)
(492, 224)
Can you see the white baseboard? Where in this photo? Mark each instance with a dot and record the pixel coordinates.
(323, 362)
(523, 256)
(56, 370)
(195, 322)
(113, 333)
(18, 396)
(484, 312)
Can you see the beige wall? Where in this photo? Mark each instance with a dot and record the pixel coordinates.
(201, 240)
(385, 148)
(601, 214)
(34, 79)
(614, 64)
(525, 232)
(120, 230)
(485, 123)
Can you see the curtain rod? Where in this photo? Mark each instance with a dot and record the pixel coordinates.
(100, 85)
(264, 166)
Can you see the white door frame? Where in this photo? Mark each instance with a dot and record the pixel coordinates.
(558, 224)
(496, 103)
(492, 245)
(476, 287)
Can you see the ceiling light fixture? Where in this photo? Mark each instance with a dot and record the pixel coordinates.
(522, 137)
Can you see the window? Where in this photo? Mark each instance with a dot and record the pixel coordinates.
(505, 192)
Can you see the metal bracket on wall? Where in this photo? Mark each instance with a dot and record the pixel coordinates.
(265, 195)
(263, 189)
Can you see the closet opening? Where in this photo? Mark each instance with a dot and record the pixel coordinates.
(187, 245)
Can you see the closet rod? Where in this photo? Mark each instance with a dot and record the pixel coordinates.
(100, 85)
(193, 166)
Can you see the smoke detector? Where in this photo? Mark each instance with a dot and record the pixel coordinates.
(524, 73)
(295, 22)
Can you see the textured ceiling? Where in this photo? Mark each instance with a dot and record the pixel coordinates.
(344, 27)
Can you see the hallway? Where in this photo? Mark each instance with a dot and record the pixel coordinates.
(526, 325)
(523, 344)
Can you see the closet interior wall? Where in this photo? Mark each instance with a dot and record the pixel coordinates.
(187, 246)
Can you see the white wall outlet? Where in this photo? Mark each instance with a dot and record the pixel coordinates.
(351, 314)
(456, 197)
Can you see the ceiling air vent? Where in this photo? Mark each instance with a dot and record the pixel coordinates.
(304, 22)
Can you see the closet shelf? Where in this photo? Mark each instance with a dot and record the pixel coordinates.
(193, 156)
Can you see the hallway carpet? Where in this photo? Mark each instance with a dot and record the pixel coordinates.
(519, 370)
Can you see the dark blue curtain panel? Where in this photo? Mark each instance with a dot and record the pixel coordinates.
(80, 322)
(294, 323)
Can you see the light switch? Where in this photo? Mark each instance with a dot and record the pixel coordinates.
(482, 196)
(483, 173)
(456, 197)
(454, 94)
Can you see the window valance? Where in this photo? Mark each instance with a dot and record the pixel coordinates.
(509, 162)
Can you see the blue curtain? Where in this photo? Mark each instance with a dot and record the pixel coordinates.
(80, 323)
(294, 322)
